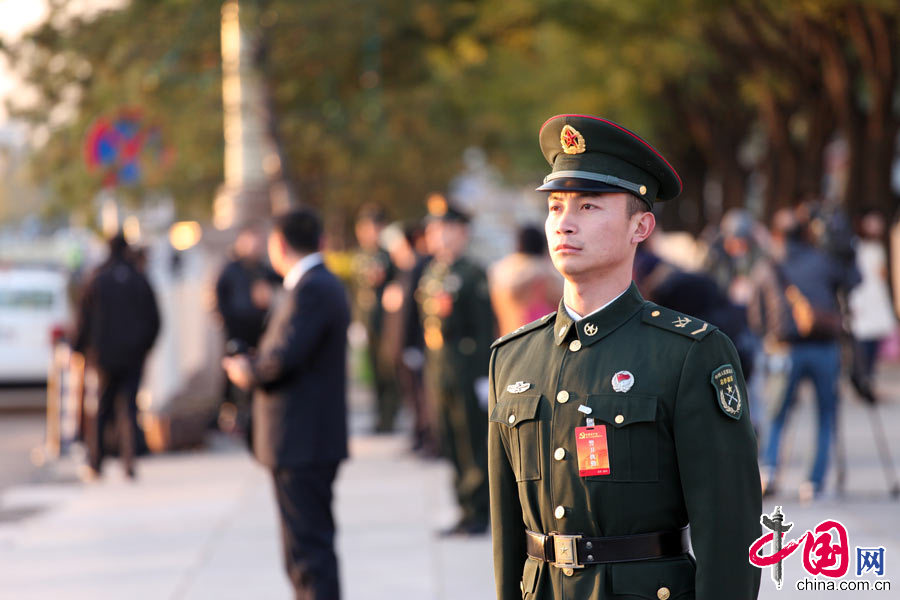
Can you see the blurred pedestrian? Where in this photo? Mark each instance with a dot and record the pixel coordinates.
(118, 321)
(299, 407)
(733, 254)
(373, 270)
(768, 311)
(769, 317)
(696, 294)
(403, 338)
(458, 327)
(872, 317)
(244, 289)
(243, 297)
(524, 285)
(811, 281)
(615, 423)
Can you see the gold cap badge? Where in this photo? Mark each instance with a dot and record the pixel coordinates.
(572, 141)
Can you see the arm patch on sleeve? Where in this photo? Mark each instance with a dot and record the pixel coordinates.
(728, 394)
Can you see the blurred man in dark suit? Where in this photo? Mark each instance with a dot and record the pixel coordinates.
(299, 405)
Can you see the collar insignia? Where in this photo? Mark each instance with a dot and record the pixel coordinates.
(518, 387)
(591, 329)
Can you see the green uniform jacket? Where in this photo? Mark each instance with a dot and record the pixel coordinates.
(459, 341)
(680, 451)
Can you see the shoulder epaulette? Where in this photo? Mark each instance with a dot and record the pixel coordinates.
(672, 320)
(548, 318)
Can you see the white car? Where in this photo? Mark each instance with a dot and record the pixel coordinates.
(34, 313)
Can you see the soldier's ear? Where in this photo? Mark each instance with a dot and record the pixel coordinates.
(645, 223)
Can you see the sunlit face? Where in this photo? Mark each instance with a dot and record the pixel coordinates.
(249, 245)
(592, 233)
(367, 232)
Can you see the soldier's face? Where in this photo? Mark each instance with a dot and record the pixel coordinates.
(367, 234)
(592, 234)
(446, 240)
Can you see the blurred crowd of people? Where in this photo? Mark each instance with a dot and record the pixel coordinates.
(803, 299)
(799, 298)
(431, 313)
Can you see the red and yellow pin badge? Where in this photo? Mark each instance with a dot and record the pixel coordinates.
(572, 141)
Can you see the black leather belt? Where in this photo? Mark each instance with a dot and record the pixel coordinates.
(576, 551)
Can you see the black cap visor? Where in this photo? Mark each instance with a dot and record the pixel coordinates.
(576, 184)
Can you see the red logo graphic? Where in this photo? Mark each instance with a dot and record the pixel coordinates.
(826, 549)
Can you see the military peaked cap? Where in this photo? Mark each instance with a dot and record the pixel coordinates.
(590, 154)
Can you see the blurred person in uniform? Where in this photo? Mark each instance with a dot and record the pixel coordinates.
(118, 321)
(373, 269)
(243, 298)
(403, 338)
(299, 376)
(810, 281)
(524, 285)
(458, 328)
(614, 422)
(872, 317)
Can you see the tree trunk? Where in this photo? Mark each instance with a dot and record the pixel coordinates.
(783, 163)
(819, 130)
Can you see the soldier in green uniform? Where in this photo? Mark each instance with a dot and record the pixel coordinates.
(373, 270)
(619, 435)
(459, 327)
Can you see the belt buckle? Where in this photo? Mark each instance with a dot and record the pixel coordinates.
(566, 552)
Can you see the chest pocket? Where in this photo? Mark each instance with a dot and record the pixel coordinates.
(520, 427)
(631, 434)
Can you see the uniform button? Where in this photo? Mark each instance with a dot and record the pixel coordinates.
(512, 419)
(589, 545)
(655, 313)
(569, 572)
(559, 454)
(575, 345)
(562, 397)
(560, 512)
(619, 419)
(590, 557)
(663, 593)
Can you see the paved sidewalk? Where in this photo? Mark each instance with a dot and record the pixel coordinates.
(202, 525)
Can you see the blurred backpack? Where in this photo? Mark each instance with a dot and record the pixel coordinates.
(801, 321)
